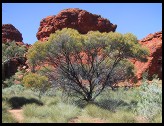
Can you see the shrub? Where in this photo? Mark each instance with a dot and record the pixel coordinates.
(36, 82)
(11, 49)
(150, 100)
(8, 82)
(117, 100)
(13, 90)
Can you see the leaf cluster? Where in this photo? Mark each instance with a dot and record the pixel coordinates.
(11, 49)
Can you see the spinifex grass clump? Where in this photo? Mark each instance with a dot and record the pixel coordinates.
(58, 113)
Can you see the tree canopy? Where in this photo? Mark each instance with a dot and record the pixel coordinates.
(87, 63)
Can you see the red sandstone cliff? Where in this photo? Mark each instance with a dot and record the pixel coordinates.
(84, 21)
(10, 33)
(154, 64)
(75, 18)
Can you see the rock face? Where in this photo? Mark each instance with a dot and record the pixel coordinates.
(154, 64)
(75, 18)
(9, 67)
(10, 33)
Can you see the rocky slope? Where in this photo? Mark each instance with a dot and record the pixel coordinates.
(10, 66)
(154, 64)
(75, 18)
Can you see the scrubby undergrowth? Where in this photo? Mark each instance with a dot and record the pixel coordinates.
(143, 104)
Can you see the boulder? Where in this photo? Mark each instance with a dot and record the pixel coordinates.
(75, 18)
(10, 33)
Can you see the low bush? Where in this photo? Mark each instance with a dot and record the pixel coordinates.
(13, 90)
(8, 82)
(150, 100)
(37, 83)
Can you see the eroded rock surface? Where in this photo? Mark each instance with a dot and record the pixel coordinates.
(154, 64)
(10, 66)
(75, 18)
(10, 33)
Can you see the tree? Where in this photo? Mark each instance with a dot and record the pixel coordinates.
(86, 64)
(36, 53)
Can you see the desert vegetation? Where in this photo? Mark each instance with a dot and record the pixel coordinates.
(121, 106)
(84, 65)
(72, 79)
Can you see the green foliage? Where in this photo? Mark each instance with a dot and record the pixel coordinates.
(98, 58)
(118, 100)
(37, 52)
(45, 69)
(15, 79)
(150, 100)
(95, 111)
(8, 82)
(13, 90)
(36, 82)
(11, 49)
(117, 117)
(58, 113)
(110, 106)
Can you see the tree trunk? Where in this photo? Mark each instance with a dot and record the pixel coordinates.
(89, 97)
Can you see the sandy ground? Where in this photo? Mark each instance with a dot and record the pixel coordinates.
(82, 119)
(17, 114)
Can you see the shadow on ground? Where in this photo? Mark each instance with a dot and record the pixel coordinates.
(18, 102)
(112, 105)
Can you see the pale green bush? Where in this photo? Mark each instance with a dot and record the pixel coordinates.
(150, 100)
